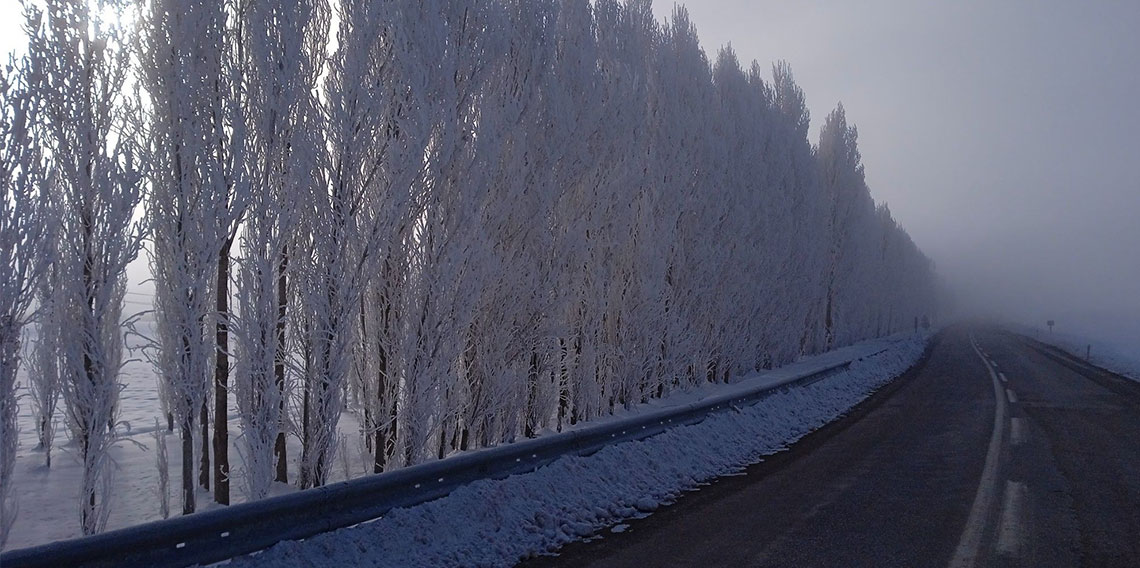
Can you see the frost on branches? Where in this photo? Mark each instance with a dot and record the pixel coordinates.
(190, 215)
(79, 63)
(280, 112)
(462, 222)
(24, 219)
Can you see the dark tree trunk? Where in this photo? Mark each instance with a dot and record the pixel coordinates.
(563, 383)
(531, 415)
(89, 371)
(188, 467)
(319, 473)
(85, 451)
(385, 438)
(204, 470)
(369, 423)
(221, 380)
(384, 442)
(381, 446)
(279, 366)
(306, 477)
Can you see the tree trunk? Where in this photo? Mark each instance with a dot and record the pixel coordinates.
(305, 480)
(306, 440)
(530, 416)
(221, 380)
(320, 473)
(321, 456)
(188, 467)
(204, 470)
(365, 403)
(563, 383)
(88, 508)
(86, 426)
(279, 367)
(382, 442)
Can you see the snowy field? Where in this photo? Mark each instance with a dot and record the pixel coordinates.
(498, 523)
(1112, 340)
(47, 497)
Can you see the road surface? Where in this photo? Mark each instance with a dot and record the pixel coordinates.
(993, 451)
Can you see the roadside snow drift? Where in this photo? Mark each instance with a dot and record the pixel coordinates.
(498, 523)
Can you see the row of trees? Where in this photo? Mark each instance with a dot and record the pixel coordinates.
(467, 221)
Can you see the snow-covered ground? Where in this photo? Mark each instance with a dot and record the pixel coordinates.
(616, 483)
(498, 523)
(48, 499)
(1111, 340)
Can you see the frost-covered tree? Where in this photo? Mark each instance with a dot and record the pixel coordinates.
(283, 46)
(606, 197)
(24, 256)
(79, 63)
(370, 155)
(680, 146)
(437, 304)
(191, 147)
(849, 207)
(496, 389)
(465, 221)
(541, 211)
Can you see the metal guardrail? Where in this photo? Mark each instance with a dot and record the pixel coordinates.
(1079, 365)
(219, 534)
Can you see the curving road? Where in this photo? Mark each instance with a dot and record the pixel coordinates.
(993, 451)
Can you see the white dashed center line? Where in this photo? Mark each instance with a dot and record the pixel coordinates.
(1016, 432)
(1011, 532)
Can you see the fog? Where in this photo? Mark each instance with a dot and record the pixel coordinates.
(1003, 135)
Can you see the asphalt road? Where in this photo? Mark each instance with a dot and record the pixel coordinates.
(993, 451)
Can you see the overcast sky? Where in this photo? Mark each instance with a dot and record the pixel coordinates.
(1004, 135)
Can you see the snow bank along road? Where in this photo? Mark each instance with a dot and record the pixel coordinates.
(498, 522)
(996, 451)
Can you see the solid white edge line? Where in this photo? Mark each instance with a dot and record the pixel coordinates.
(969, 544)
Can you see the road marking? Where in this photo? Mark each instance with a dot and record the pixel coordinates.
(1016, 432)
(970, 543)
(1011, 533)
(1011, 395)
(1003, 379)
